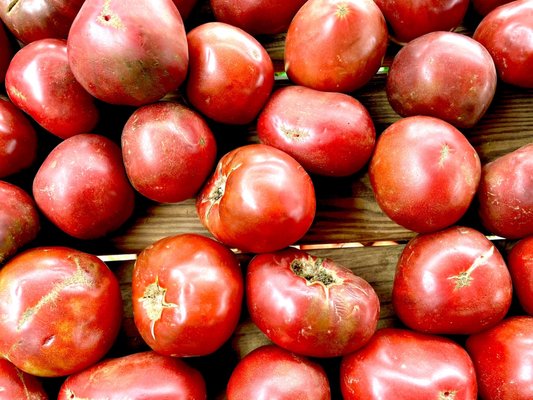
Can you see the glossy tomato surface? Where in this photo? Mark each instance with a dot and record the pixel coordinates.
(39, 81)
(259, 199)
(454, 281)
(270, 372)
(168, 151)
(446, 75)
(16, 384)
(6, 52)
(82, 187)
(335, 45)
(503, 358)
(404, 365)
(230, 73)
(144, 375)
(60, 310)
(328, 133)
(308, 305)
(187, 292)
(424, 173)
(520, 263)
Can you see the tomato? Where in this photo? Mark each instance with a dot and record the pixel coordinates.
(18, 140)
(257, 17)
(520, 263)
(274, 373)
(310, 306)
(507, 33)
(445, 75)
(6, 52)
(424, 173)
(335, 45)
(144, 375)
(230, 73)
(168, 151)
(39, 81)
(505, 194)
(19, 220)
(453, 281)
(82, 187)
(403, 365)
(503, 358)
(128, 52)
(259, 199)
(60, 310)
(16, 384)
(483, 7)
(409, 19)
(187, 292)
(328, 133)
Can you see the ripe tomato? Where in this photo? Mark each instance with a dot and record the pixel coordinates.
(259, 199)
(404, 365)
(60, 310)
(503, 358)
(187, 292)
(424, 173)
(453, 281)
(329, 133)
(520, 263)
(310, 306)
(270, 372)
(335, 45)
(16, 384)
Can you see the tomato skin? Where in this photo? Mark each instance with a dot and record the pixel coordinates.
(483, 7)
(507, 34)
(277, 374)
(235, 91)
(60, 310)
(453, 281)
(6, 52)
(313, 319)
(16, 384)
(402, 364)
(349, 40)
(144, 375)
(520, 263)
(168, 151)
(424, 173)
(446, 75)
(501, 356)
(198, 288)
(258, 200)
(329, 133)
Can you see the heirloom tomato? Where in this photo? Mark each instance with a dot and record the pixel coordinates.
(520, 263)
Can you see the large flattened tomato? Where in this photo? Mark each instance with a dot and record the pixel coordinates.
(520, 263)
(259, 199)
(310, 306)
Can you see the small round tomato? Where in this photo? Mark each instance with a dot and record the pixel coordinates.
(187, 292)
(259, 199)
(520, 263)
(335, 45)
(310, 306)
(270, 372)
(17, 384)
(61, 310)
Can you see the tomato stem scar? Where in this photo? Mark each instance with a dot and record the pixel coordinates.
(464, 278)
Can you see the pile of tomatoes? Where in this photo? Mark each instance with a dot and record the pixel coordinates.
(176, 79)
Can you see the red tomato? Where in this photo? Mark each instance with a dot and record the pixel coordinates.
(453, 281)
(503, 358)
(18, 140)
(310, 306)
(507, 33)
(187, 292)
(128, 52)
(328, 133)
(145, 375)
(445, 75)
(404, 365)
(270, 372)
(505, 194)
(60, 310)
(82, 187)
(16, 384)
(483, 7)
(39, 81)
(520, 263)
(259, 199)
(335, 45)
(424, 173)
(6, 52)
(230, 73)
(168, 151)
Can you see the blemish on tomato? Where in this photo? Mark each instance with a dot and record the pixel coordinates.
(153, 302)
